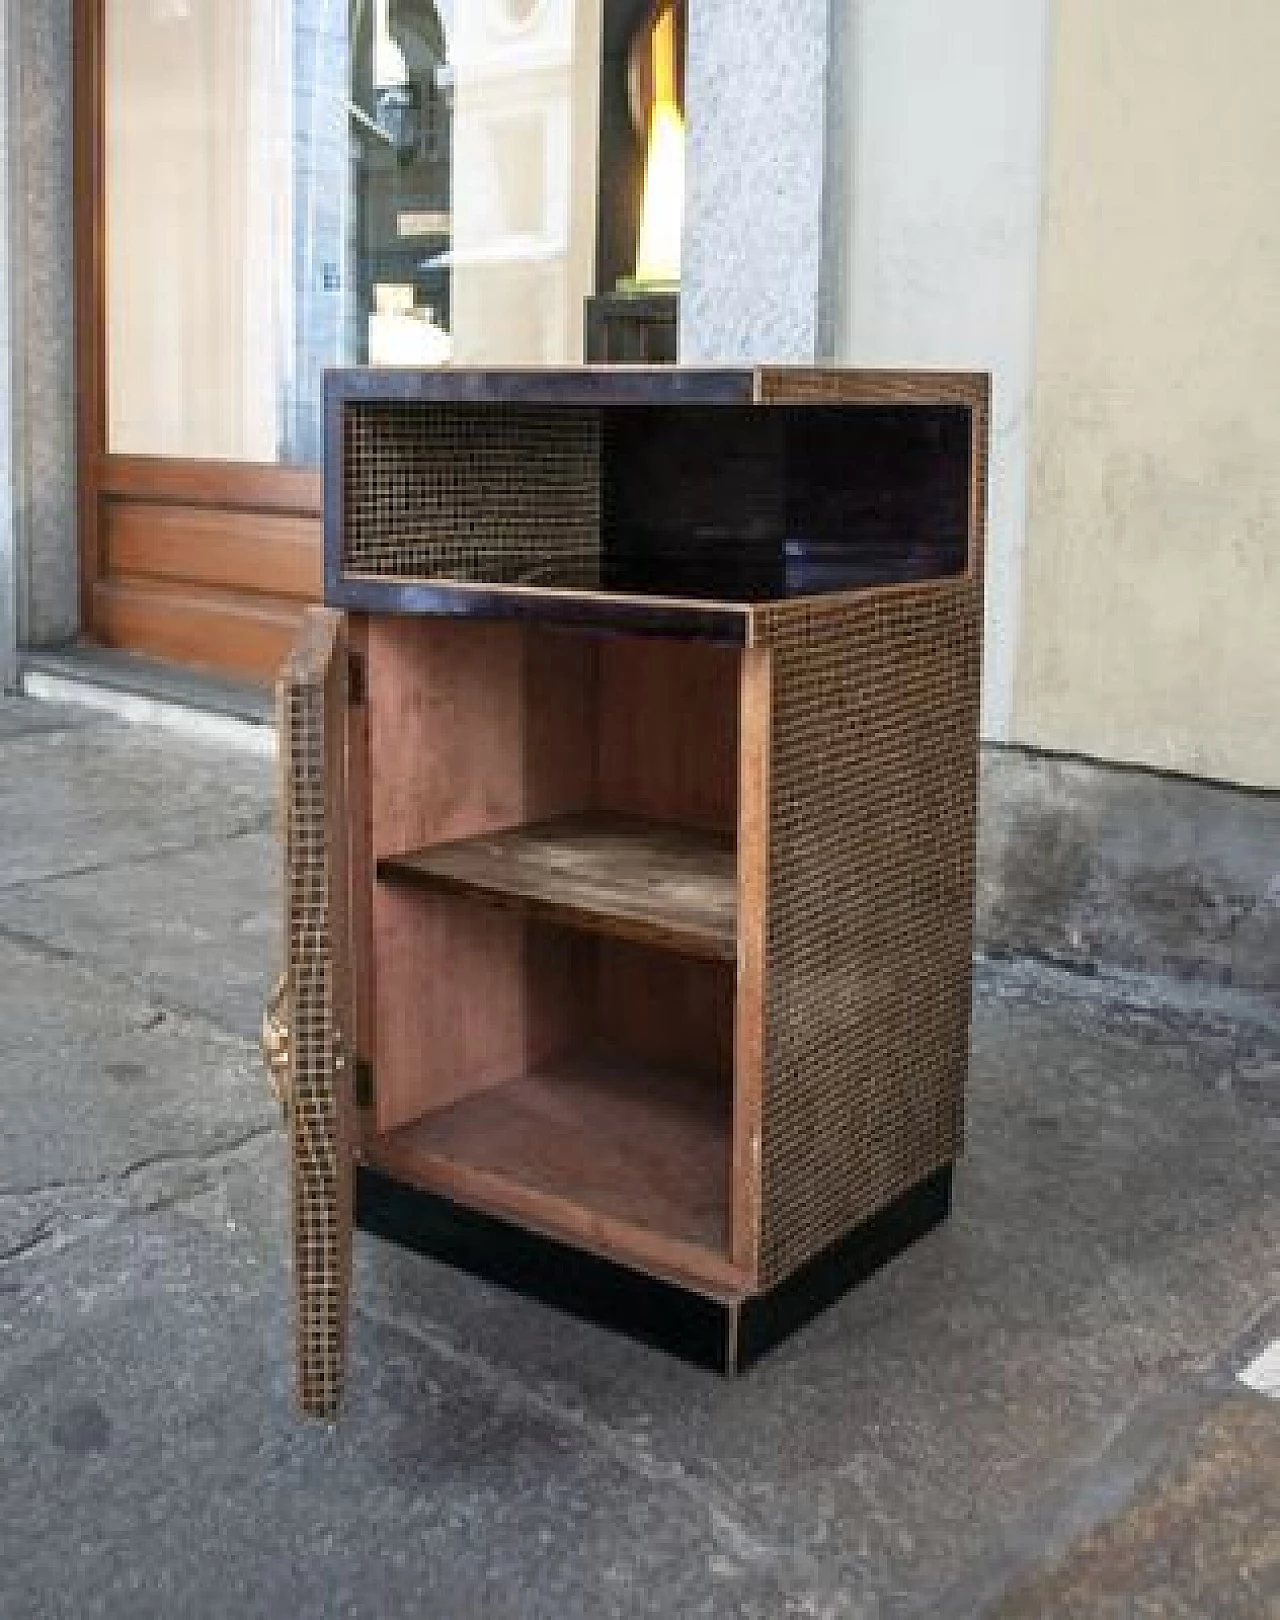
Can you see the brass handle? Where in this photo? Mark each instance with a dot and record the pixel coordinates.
(275, 1040)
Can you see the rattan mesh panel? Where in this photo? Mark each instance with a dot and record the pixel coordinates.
(321, 1169)
(870, 904)
(498, 494)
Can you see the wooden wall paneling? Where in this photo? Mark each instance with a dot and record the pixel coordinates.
(450, 1001)
(278, 554)
(560, 716)
(233, 632)
(560, 969)
(446, 760)
(271, 553)
(475, 727)
(216, 587)
(230, 485)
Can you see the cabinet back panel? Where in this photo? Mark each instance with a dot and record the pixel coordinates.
(666, 1010)
(472, 727)
(668, 731)
(462, 1003)
(475, 727)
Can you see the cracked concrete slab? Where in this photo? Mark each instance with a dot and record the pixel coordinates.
(22, 717)
(1202, 1536)
(94, 1080)
(92, 797)
(146, 1401)
(200, 932)
(998, 1418)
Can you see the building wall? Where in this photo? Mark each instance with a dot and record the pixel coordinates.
(8, 374)
(757, 81)
(1107, 243)
(39, 490)
(1151, 622)
(936, 170)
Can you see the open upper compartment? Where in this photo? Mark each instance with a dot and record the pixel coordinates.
(665, 499)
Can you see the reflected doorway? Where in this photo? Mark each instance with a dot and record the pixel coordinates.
(401, 112)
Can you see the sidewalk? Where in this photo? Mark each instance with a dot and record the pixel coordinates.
(1034, 1413)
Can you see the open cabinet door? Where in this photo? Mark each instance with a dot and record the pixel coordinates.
(312, 699)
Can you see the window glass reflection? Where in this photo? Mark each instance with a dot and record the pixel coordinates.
(293, 184)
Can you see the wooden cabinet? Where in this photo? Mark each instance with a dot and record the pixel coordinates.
(629, 787)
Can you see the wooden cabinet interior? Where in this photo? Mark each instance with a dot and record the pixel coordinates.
(562, 1054)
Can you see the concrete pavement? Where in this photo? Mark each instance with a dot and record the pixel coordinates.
(1035, 1413)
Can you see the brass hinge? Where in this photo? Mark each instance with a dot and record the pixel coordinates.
(364, 1084)
(357, 685)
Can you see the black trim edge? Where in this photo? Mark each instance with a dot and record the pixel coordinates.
(725, 1337)
(541, 385)
(658, 1313)
(767, 1319)
(725, 624)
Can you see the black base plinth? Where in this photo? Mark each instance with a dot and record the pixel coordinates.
(631, 329)
(726, 1336)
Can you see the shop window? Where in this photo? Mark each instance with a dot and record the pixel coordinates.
(294, 184)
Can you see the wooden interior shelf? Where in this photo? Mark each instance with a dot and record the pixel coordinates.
(622, 1151)
(664, 886)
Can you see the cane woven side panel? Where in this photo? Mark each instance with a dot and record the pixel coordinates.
(309, 698)
(870, 905)
(504, 494)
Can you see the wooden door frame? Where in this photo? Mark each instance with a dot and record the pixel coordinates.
(104, 479)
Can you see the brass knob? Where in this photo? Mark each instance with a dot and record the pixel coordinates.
(275, 1041)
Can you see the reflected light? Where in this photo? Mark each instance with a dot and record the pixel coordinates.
(662, 200)
(390, 70)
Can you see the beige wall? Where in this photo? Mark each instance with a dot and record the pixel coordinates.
(1151, 615)
(937, 168)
